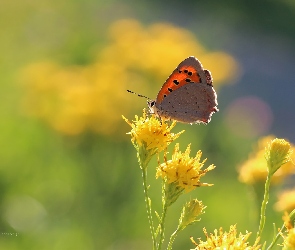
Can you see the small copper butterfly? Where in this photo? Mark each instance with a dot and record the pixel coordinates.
(187, 95)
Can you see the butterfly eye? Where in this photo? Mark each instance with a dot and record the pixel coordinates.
(151, 103)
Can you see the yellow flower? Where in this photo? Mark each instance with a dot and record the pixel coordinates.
(150, 136)
(183, 170)
(254, 170)
(224, 240)
(277, 154)
(286, 201)
(289, 239)
(150, 131)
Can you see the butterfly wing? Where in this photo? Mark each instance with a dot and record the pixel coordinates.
(189, 70)
(193, 103)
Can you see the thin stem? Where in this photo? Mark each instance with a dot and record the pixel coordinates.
(291, 215)
(148, 205)
(172, 238)
(263, 206)
(276, 238)
(162, 224)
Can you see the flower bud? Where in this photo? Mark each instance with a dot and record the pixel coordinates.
(277, 153)
(191, 210)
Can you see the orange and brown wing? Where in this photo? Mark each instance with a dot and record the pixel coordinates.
(189, 70)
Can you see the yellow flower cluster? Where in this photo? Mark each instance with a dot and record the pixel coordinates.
(81, 98)
(160, 47)
(289, 240)
(184, 170)
(224, 240)
(254, 170)
(148, 132)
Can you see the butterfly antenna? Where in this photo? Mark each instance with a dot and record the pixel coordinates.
(138, 94)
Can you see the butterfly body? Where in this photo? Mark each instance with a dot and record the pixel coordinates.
(187, 95)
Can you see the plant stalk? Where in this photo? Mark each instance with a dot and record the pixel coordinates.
(263, 206)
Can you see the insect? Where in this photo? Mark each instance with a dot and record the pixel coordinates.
(187, 95)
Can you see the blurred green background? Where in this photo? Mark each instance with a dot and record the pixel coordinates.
(69, 177)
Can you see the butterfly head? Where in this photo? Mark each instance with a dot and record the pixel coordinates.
(152, 106)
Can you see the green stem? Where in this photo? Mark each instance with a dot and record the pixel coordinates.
(162, 224)
(263, 206)
(148, 205)
(276, 238)
(291, 215)
(172, 238)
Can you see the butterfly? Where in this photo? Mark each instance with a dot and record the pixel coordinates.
(187, 95)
